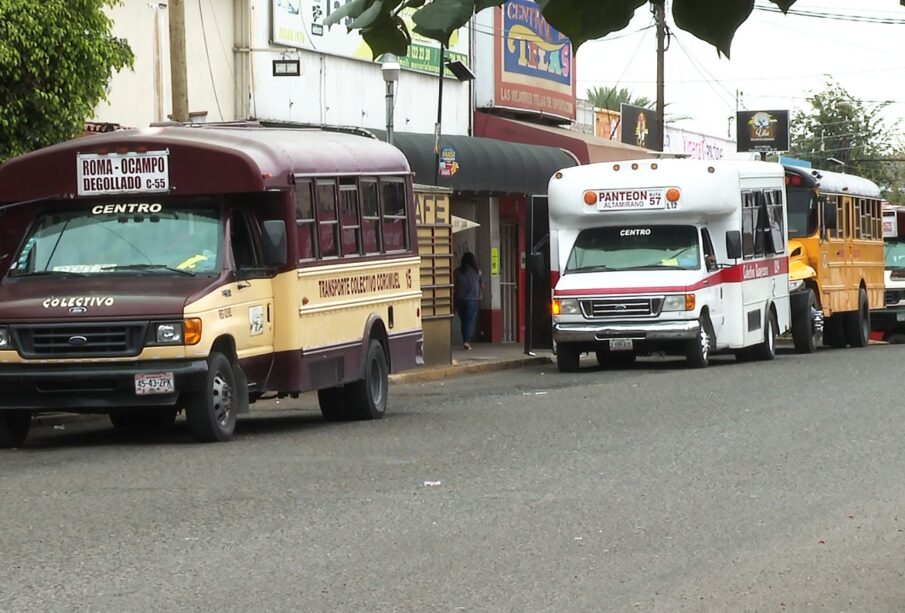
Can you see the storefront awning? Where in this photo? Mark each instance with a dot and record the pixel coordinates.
(587, 148)
(481, 165)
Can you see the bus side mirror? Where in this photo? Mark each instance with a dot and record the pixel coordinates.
(733, 244)
(274, 242)
(535, 265)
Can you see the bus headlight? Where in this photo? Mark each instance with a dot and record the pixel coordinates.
(169, 333)
(566, 306)
(794, 286)
(679, 302)
(4, 338)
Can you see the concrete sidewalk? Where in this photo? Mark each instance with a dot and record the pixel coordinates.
(483, 357)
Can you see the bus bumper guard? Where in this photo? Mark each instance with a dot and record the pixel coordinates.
(93, 388)
(646, 331)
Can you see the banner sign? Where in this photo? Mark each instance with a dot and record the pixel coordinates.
(534, 65)
(639, 126)
(762, 130)
(300, 24)
(123, 173)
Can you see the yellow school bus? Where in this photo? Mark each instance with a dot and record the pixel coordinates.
(148, 272)
(835, 257)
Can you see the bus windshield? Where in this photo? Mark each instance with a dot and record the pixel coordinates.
(635, 248)
(802, 212)
(112, 238)
(894, 253)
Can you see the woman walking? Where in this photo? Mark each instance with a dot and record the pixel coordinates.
(469, 287)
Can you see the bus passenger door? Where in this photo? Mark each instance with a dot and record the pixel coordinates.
(251, 299)
(712, 292)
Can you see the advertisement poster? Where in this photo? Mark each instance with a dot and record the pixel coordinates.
(300, 24)
(763, 130)
(535, 68)
(639, 126)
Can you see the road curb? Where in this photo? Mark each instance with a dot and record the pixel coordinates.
(446, 372)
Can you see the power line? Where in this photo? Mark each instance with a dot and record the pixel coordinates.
(833, 16)
(702, 70)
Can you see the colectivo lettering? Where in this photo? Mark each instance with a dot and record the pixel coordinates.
(80, 301)
(134, 207)
(360, 284)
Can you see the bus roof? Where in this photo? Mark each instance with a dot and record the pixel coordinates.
(835, 182)
(206, 160)
(708, 187)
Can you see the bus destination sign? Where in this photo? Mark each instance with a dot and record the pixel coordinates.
(123, 173)
(630, 199)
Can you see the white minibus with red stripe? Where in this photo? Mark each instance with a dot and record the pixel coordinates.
(676, 256)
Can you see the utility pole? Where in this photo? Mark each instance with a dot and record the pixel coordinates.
(178, 66)
(660, 10)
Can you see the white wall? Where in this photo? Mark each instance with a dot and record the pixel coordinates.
(140, 96)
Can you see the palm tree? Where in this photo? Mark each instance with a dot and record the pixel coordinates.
(611, 98)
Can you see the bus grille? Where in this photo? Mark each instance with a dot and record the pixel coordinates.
(611, 308)
(80, 340)
(893, 296)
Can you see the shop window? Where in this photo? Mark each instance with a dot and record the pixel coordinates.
(394, 215)
(327, 219)
(304, 220)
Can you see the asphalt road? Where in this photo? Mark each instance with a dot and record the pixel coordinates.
(744, 487)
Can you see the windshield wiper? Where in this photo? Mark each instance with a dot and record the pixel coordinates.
(654, 267)
(597, 268)
(118, 267)
(47, 273)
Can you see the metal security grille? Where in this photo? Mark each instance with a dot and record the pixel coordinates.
(621, 307)
(80, 340)
(509, 281)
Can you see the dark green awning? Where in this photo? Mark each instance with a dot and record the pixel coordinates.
(482, 165)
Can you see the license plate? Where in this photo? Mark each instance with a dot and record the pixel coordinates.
(157, 383)
(621, 344)
(900, 316)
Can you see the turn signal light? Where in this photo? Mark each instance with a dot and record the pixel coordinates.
(590, 198)
(673, 194)
(555, 307)
(192, 331)
(689, 302)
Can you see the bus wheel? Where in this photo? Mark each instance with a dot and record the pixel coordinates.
(697, 350)
(568, 357)
(14, 427)
(211, 412)
(857, 323)
(615, 359)
(804, 329)
(332, 401)
(150, 418)
(833, 334)
(766, 350)
(367, 398)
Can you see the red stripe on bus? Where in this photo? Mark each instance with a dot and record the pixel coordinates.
(748, 271)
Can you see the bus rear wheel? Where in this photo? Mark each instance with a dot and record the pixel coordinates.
(805, 333)
(14, 427)
(568, 357)
(857, 323)
(367, 398)
(767, 349)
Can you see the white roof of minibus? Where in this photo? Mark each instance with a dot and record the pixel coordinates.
(708, 187)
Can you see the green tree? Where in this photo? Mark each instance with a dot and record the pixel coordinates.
(713, 21)
(612, 98)
(840, 132)
(56, 58)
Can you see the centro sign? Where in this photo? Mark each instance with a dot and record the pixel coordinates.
(123, 173)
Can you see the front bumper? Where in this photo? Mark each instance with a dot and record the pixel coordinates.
(652, 331)
(88, 388)
(883, 319)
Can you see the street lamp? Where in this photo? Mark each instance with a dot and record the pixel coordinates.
(836, 161)
(462, 73)
(389, 67)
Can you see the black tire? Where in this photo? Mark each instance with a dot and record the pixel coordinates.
(211, 413)
(150, 419)
(367, 398)
(766, 350)
(833, 333)
(332, 401)
(804, 335)
(14, 427)
(568, 357)
(615, 359)
(857, 323)
(697, 350)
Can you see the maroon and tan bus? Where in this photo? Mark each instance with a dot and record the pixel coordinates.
(146, 272)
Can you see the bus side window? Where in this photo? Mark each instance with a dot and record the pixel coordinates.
(748, 227)
(760, 224)
(395, 237)
(304, 220)
(244, 252)
(327, 221)
(348, 214)
(709, 253)
(775, 232)
(370, 215)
